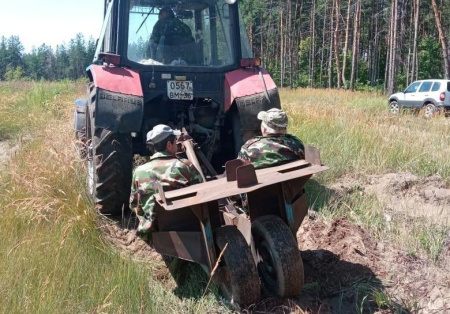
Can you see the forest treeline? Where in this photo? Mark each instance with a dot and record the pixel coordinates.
(384, 44)
(354, 44)
(68, 61)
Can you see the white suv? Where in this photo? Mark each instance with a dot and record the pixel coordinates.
(429, 95)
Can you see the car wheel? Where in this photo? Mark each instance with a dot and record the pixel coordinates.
(428, 111)
(394, 107)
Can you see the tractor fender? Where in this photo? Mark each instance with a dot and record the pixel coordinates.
(119, 98)
(80, 114)
(252, 91)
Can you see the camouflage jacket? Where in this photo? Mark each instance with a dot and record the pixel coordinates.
(171, 172)
(171, 27)
(272, 150)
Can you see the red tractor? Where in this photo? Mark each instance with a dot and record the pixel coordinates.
(195, 73)
(206, 82)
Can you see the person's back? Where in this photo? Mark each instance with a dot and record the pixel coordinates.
(164, 168)
(275, 146)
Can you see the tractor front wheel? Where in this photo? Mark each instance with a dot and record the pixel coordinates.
(279, 262)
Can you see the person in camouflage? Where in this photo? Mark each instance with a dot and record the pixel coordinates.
(164, 167)
(275, 146)
(169, 31)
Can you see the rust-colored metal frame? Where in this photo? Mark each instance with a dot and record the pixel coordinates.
(188, 217)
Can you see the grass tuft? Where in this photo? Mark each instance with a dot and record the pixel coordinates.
(53, 258)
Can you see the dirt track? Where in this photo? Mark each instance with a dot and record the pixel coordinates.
(344, 263)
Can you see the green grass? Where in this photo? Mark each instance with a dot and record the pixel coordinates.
(53, 258)
(27, 105)
(355, 134)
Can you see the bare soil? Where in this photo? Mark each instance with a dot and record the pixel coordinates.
(5, 152)
(346, 269)
(404, 193)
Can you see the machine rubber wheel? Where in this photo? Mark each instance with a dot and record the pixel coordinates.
(240, 278)
(394, 107)
(280, 265)
(109, 166)
(428, 111)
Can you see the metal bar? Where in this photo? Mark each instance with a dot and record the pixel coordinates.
(182, 244)
(205, 161)
(220, 188)
(201, 211)
(190, 153)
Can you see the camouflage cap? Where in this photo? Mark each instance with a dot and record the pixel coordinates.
(160, 132)
(274, 118)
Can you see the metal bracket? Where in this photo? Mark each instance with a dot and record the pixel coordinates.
(312, 155)
(231, 167)
(246, 176)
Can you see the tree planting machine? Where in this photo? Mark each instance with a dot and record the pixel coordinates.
(210, 86)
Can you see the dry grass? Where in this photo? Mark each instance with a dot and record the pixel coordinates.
(52, 256)
(356, 135)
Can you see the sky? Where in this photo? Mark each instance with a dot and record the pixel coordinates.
(51, 22)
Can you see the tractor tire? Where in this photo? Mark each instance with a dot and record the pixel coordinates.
(240, 278)
(109, 166)
(280, 265)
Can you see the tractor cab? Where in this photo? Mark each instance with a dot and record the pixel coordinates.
(182, 33)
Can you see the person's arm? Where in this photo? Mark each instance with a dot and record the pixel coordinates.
(187, 174)
(134, 196)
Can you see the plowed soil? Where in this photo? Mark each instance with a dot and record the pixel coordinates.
(346, 269)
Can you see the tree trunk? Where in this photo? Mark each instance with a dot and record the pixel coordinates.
(330, 59)
(442, 38)
(347, 30)
(322, 51)
(281, 32)
(312, 50)
(356, 36)
(415, 64)
(337, 10)
(392, 76)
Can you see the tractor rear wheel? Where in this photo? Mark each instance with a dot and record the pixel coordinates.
(109, 166)
(240, 282)
(280, 265)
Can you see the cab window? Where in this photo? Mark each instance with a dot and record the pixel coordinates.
(192, 33)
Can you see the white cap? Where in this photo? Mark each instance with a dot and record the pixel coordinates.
(160, 132)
